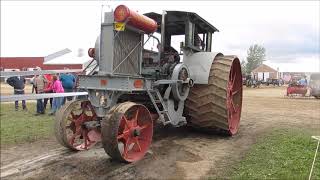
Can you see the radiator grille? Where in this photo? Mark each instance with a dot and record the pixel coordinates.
(124, 43)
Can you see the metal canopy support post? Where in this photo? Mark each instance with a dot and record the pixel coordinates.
(163, 30)
(189, 31)
(209, 42)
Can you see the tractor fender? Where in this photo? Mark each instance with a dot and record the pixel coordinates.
(199, 65)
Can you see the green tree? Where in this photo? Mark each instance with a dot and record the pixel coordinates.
(243, 66)
(256, 55)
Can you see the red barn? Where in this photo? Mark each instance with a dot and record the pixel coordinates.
(23, 63)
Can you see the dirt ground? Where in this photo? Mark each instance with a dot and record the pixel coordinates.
(176, 153)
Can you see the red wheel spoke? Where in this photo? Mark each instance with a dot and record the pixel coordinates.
(73, 116)
(233, 79)
(126, 121)
(232, 104)
(135, 120)
(121, 136)
(70, 119)
(73, 137)
(138, 144)
(124, 135)
(144, 126)
(235, 92)
(126, 147)
(85, 140)
(71, 127)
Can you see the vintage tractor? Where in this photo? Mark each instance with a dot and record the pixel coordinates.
(132, 87)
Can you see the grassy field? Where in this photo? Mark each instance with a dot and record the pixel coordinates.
(23, 126)
(282, 154)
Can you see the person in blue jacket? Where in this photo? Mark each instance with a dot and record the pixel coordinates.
(68, 83)
(303, 81)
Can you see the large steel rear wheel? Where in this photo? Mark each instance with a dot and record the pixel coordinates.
(127, 132)
(217, 105)
(70, 129)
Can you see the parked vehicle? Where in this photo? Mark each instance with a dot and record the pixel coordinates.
(274, 82)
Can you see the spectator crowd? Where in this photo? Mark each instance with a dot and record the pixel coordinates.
(45, 84)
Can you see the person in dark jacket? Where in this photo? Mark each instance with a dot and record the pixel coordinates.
(18, 83)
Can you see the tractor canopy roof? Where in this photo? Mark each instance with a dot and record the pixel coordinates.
(176, 20)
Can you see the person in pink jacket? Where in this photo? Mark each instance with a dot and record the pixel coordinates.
(56, 87)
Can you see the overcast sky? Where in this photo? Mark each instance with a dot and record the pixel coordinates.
(290, 31)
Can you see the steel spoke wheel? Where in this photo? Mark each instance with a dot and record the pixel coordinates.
(127, 132)
(70, 128)
(234, 97)
(216, 106)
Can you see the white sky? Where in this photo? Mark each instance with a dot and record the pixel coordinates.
(289, 30)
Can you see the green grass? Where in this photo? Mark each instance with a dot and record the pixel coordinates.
(282, 154)
(23, 126)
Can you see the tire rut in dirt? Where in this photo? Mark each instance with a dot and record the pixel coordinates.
(208, 106)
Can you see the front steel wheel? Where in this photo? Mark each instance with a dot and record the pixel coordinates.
(127, 132)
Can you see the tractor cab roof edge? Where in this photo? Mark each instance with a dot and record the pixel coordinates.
(175, 22)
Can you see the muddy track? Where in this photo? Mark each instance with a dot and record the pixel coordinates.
(175, 153)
